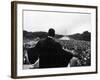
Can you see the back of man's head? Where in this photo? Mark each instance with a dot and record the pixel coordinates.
(51, 32)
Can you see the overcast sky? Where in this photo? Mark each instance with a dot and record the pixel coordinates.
(64, 23)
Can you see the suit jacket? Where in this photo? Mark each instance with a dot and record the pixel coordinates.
(50, 54)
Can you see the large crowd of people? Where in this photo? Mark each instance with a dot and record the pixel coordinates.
(81, 48)
(52, 52)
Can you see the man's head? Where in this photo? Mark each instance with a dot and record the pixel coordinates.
(51, 32)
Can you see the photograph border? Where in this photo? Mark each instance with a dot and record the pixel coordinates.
(14, 37)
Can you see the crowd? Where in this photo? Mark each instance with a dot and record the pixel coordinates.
(81, 48)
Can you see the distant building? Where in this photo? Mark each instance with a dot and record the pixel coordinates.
(65, 38)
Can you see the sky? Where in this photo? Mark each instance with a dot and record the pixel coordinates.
(64, 23)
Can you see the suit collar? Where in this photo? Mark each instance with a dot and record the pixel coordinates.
(51, 37)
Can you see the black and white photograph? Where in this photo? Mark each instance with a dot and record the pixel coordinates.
(55, 39)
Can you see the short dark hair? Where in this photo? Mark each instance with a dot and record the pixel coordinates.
(51, 32)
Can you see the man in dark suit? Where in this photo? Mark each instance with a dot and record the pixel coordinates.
(50, 52)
